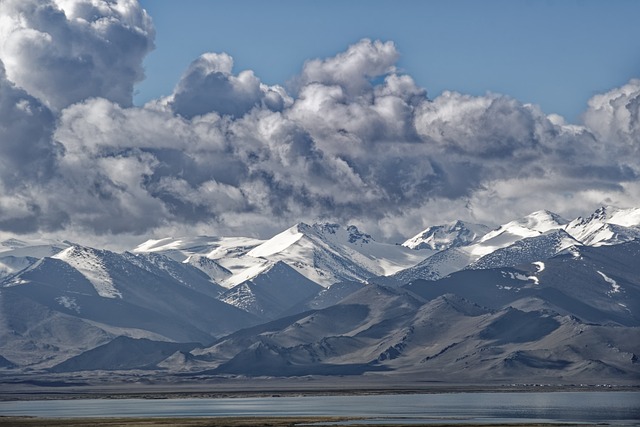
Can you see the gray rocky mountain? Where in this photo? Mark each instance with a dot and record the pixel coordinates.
(539, 297)
(84, 297)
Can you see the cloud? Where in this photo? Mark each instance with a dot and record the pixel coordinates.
(28, 157)
(64, 51)
(357, 142)
(615, 116)
(352, 70)
(208, 85)
(27, 152)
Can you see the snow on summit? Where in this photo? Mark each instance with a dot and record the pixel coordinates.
(277, 243)
(452, 234)
(88, 262)
(607, 225)
(327, 253)
(531, 225)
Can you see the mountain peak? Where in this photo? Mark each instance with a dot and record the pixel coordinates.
(534, 224)
(334, 231)
(91, 264)
(606, 225)
(543, 220)
(453, 234)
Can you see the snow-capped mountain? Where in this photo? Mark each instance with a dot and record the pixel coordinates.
(182, 247)
(16, 255)
(323, 253)
(606, 226)
(82, 296)
(536, 297)
(330, 253)
(218, 257)
(532, 225)
(534, 229)
(450, 235)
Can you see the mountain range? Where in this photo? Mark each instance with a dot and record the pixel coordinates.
(538, 297)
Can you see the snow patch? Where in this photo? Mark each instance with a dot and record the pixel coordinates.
(15, 282)
(157, 245)
(624, 217)
(89, 264)
(575, 252)
(540, 266)
(277, 244)
(245, 275)
(518, 276)
(68, 303)
(523, 278)
(615, 288)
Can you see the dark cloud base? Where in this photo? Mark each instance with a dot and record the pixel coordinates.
(353, 140)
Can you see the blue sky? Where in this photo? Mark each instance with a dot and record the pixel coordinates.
(556, 54)
(321, 115)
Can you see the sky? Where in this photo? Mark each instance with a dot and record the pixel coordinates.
(556, 54)
(123, 120)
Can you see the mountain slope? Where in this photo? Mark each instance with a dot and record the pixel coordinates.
(322, 341)
(123, 353)
(107, 294)
(596, 284)
(270, 293)
(527, 250)
(446, 339)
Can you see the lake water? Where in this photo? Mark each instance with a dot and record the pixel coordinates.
(598, 407)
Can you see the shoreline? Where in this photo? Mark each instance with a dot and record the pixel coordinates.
(252, 422)
(209, 391)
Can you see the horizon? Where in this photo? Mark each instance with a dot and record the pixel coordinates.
(140, 242)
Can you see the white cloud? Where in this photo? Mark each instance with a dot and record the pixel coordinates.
(64, 51)
(208, 85)
(358, 142)
(615, 116)
(353, 69)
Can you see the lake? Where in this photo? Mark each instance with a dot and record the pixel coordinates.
(602, 407)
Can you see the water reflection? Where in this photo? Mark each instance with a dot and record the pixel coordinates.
(620, 407)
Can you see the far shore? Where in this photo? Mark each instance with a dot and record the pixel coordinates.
(231, 422)
(266, 387)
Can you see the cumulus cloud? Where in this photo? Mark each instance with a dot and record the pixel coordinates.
(28, 157)
(358, 142)
(64, 51)
(209, 85)
(352, 70)
(615, 116)
(27, 152)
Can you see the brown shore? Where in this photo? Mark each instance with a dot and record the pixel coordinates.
(113, 386)
(224, 422)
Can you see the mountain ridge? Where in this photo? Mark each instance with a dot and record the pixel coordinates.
(537, 296)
